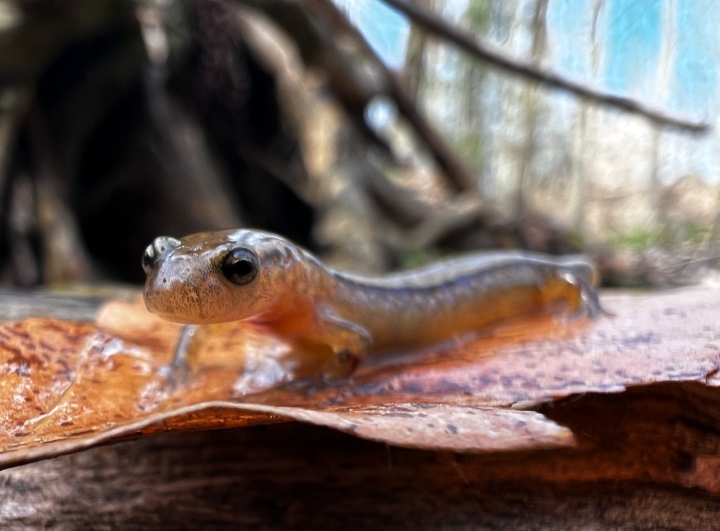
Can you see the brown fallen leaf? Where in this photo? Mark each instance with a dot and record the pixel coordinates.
(66, 386)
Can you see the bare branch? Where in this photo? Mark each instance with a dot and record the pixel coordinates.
(331, 28)
(458, 175)
(465, 40)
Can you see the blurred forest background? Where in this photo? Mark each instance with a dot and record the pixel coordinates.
(378, 138)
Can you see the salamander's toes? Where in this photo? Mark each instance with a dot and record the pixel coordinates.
(589, 299)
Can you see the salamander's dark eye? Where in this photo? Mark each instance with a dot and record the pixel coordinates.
(240, 266)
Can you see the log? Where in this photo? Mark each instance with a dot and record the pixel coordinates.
(294, 476)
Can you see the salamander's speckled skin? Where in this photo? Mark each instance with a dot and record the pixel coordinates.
(298, 296)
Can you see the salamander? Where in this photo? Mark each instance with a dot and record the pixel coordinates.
(253, 275)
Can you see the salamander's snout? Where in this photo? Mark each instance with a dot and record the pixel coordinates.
(156, 250)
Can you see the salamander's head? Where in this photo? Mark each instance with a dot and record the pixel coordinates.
(219, 276)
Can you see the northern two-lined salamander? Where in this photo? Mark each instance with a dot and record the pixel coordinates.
(248, 274)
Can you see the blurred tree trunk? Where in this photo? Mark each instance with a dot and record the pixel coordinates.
(530, 104)
(414, 71)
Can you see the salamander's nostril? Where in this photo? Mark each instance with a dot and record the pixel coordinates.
(156, 250)
(163, 244)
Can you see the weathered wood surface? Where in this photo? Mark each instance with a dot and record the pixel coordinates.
(294, 476)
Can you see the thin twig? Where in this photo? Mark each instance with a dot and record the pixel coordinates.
(465, 40)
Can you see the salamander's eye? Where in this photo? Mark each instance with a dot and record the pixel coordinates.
(240, 266)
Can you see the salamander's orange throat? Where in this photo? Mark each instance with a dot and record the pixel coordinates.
(241, 274)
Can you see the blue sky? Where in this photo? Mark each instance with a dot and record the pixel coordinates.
(632, 44)
(384, 28)
(696, 67)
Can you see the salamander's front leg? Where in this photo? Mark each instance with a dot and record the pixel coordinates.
(349, 341)
(178, 371)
